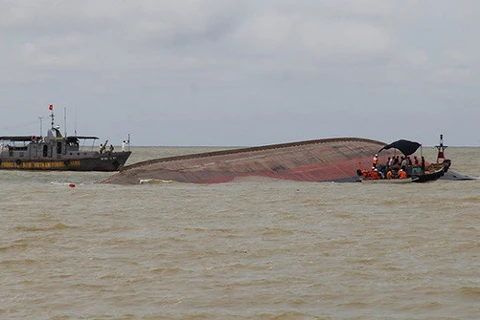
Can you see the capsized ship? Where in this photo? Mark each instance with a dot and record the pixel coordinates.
(335, 159)
(56, 152)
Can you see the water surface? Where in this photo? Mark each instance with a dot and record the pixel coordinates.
(250, 249)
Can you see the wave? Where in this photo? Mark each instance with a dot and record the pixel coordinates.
(57, 226)
(154, 181)
(470, 291)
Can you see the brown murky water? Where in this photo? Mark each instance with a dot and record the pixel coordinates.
(251, 249)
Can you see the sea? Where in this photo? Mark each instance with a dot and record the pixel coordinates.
(254, 248)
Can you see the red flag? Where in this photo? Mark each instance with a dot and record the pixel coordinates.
(50, 107)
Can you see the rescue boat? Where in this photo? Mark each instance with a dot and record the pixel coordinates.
(56, 152)
(404, 170)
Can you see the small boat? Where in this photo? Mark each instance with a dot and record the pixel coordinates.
(56, 152)
(406, 171)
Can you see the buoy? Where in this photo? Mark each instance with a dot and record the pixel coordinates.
(72, 185)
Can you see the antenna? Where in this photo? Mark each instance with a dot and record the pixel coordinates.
(75, 124)
(65, 121)
(41, 123)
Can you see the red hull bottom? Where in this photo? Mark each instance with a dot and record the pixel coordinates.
(317, 160)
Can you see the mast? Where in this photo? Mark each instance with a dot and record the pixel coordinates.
(65, 121)
(41, 124)
(52, 115)
(441, 150)
(75, 125)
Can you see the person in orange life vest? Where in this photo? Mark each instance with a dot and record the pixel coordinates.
(375, 160)
(374, 174)
(365, 173)
(389, 174)
(402, 174)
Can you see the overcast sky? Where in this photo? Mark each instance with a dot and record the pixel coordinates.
(243, 72)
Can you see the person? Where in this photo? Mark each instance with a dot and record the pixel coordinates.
(381, 175)
(124, 145)
(390, 162)
(102, 148)
(396, 163)
(415, 161)
(374, 174)
(111, 148)
(375, 160)
(389, 174)
(402, 174)
(365, 174)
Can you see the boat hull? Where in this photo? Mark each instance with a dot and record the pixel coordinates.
(96, 162)
(334, 159)
(389, 181)
(431, 176)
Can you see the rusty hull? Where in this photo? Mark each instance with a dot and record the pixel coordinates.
(335, 159)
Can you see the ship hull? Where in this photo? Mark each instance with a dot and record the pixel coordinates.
(96, 162)
(334, 159)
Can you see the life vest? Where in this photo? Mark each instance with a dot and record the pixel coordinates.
(402, 174)
(365, 173)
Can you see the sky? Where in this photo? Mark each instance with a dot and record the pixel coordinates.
(242, 72)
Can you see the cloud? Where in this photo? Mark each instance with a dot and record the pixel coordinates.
(228, 38)
(182, 22)
(245, 58)
(318, 40)
(188, 30)
(417, 58)
(59, 16)
(49, 53)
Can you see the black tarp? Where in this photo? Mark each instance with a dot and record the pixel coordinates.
(404, 146)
